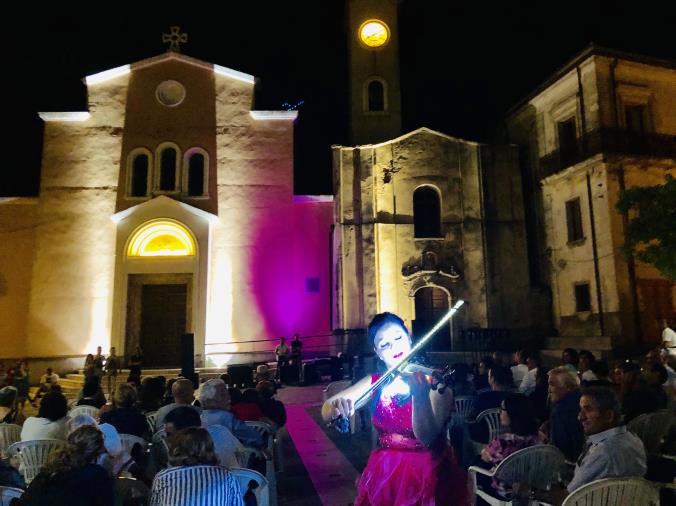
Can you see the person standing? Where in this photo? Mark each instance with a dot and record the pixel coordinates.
(135, 363)
(282, 353)
(411, 465)
(20, 382)
(112, 369)
(99, 360)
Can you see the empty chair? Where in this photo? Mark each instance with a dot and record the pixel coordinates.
(539, 466)
(9, 434)
(244, 476)
(34, 454)
(615, 492)
(463, 406)
(9, 493)
(84, 410)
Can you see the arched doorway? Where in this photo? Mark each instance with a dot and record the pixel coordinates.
(431, 304)
(159, 290)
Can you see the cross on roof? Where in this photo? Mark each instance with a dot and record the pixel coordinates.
(175, 38)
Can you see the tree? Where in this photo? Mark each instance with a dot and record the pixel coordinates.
(651, 231)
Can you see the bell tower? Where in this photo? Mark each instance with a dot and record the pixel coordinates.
(373, 48)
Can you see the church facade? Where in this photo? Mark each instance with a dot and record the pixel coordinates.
(166, 208)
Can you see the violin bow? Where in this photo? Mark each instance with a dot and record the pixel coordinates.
(363, 399)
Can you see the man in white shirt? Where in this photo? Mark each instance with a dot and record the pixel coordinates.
(669, 340)
(49, 379)
(528, 382)
(520, 369)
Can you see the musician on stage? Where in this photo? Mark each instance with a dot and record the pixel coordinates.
(412, 464)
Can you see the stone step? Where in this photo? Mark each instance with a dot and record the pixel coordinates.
(579, 343)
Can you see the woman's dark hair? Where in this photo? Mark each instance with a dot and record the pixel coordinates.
(250, 395)
(588, 354)
(522, 419)
(502, 376)
(235, 395)
(91, 387)
(192, 447)
(85, 444)
(379, 321)
(54, 406)
(488, 362)
(573, 355)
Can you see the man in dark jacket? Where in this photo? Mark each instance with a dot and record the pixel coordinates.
(565, 430)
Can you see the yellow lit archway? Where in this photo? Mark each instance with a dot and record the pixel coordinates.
(162, 238)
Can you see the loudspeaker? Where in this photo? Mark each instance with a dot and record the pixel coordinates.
(336, 369)
(188, 359)
(310, 373)
(241, 375)
(289, 374)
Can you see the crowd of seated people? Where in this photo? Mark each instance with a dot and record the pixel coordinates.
(202, 429)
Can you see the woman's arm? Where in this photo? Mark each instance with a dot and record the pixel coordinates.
(343, 402)
(431, 409)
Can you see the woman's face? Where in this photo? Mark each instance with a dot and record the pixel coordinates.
(504, 416)
(392, 343)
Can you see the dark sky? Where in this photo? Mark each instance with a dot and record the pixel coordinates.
(463, 64)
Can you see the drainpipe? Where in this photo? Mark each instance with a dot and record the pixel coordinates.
(583, 113)
(597, 273)
(631, 264)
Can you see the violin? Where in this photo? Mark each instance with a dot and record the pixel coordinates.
(440, 379)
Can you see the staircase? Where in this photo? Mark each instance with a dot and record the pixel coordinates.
(600, 346)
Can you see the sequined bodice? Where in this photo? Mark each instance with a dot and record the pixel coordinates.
(394, 422)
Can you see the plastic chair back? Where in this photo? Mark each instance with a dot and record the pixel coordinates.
(130, 489)
(539, 466)
(653, 429)
(244, 476)
(463, 406)
(9, 434)
(492, 419)
(84, 410)
(615, 492)
(34, 454)
(129, 440)
(9, 493)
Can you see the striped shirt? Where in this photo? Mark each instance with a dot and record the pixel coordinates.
(195, 486)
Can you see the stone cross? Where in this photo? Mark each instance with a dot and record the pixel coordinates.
(175, 38)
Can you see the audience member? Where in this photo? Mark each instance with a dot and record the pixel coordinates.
(208, 483)
(635, 397)
(540, 396)
(262, 373)
(216, 411)
(151, 393)
(124, 416)
(21, 382)
(500, 380)
(462, 384)
(47, 380)
(92, 394)
(601, 371)
(10, 475)
(528, 382)
(225, 378)
(569, 358)
(183, 393)
(517, 419)
(565, 431)
(610, 450)
(248, 409)
(585, 362)
(481, 378)
(99, 360)
(655, 376)
(168, 395)
(520, 369)
(51, 420)
(72, 477)
(9, 413)
(272, 408)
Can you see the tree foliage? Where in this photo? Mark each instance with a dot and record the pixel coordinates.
(651, 231)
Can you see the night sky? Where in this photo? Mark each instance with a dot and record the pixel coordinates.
(462, 65)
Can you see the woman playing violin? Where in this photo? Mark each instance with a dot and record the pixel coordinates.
(412, 464)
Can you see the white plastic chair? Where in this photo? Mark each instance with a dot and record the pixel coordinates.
(9, 434)
(335, 387)
(268, 432)
(34, 454)
(615, 492)
(463, 406)
(84, 410)
(129, 440)
(491, 417)
(9, 493)
(150, 418)
(244, 476)
(653, 428)
(537, 466)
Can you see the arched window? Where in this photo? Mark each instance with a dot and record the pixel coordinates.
(162, 238)
(138, 170)
(376, 96)
(168, 170)
(196, 172)
(426, 212)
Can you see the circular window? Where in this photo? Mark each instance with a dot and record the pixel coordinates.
(170, 93)
(374, 33)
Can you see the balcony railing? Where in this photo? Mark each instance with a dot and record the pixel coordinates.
(609, 141)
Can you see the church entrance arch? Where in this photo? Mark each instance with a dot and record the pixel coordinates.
(431, 304)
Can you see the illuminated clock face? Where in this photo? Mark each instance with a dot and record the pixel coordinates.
(374, 33)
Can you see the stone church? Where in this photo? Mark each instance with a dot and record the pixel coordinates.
(167, 207)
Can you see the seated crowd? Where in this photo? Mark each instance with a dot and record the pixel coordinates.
(205, 436)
